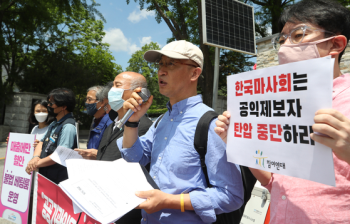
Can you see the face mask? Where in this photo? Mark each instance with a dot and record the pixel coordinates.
(115, 99)
(289, 53)
(51, 111)
(91, 109)
(41, 117)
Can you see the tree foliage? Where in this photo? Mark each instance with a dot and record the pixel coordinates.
(138, 64)
(184, 19)
(25, 28)
(51, 44)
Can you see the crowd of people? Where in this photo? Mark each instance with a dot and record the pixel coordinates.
(309, 29)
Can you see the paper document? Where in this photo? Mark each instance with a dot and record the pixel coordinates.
(62, 154)
(105, 190)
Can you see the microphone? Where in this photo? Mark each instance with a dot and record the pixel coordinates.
(144, 94)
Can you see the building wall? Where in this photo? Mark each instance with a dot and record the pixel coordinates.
(267, 56)
(17, 113)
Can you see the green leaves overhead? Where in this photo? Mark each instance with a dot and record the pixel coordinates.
(138, 64)
(41, 39)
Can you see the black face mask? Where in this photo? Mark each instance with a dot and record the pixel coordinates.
(113, 114)
(51, 111)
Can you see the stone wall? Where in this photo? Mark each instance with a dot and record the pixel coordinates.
(17, 113)
(267, 56)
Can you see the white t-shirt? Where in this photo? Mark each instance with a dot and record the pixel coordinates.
(39, 132)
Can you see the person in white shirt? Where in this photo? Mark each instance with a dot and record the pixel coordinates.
(41, 118)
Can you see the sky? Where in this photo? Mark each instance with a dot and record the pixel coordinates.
(128, 28)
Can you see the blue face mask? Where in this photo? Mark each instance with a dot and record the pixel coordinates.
(115, 99)
(91, 109)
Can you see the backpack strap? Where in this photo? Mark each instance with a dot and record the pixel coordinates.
(201, 139)
(248, 179)
(160, 118)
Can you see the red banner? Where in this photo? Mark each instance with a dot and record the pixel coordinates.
(55, 207)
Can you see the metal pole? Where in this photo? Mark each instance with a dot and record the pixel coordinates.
(216, 78)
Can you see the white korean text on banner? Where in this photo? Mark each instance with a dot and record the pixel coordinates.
(272, 113)
(16, 182)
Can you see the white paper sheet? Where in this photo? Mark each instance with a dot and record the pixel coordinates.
(105, 190)
(62, 154)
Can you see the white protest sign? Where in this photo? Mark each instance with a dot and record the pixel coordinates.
(272, 112)
(16, 182)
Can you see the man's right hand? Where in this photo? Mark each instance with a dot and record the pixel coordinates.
(135, 103)
(87, 153)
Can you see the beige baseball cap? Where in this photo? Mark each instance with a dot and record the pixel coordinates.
(180, 49)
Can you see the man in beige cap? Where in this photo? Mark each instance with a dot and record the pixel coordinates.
(184, 196)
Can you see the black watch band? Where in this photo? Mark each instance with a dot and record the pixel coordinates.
(132, 124)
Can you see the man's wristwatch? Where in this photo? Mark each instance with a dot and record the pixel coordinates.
(132, 124)
(36, 156)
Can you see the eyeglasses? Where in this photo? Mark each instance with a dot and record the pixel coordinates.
(50, 104)
(295, 36)
(170, 65)
(89, 100)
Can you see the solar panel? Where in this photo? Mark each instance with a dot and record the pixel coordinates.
(229, 24)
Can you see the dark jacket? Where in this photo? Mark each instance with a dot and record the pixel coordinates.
(56, 172)
(111, 153)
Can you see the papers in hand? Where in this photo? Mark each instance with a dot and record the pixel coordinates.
(104, 190)
(62, 154)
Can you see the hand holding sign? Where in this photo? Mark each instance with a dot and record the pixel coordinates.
(334, 124)
(222, 125)
(32, 165)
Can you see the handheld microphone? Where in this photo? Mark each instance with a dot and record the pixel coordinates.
(144, 94)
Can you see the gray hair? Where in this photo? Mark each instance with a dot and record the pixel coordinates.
(106, 89)
(138, 82)
(98, 90)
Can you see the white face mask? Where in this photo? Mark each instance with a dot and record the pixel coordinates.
(41, 117)
(115, 98)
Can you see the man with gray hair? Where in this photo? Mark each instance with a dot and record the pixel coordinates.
(95, 106)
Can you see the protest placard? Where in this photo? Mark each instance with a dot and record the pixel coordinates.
(16, 182)
(52, 205)
(272, 112)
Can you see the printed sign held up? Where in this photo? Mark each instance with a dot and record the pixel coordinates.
(16, 183)
(272, 113)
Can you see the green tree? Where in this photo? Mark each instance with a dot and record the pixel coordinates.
(184, 19)
(268, 12)
(24, 24)
(138, 64)
(71, 55)
(228, 68)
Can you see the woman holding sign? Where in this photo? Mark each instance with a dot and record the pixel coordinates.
(313, 29)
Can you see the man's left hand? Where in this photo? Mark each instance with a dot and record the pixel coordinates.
(87, 153)
(156, 200)
(337, 128)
